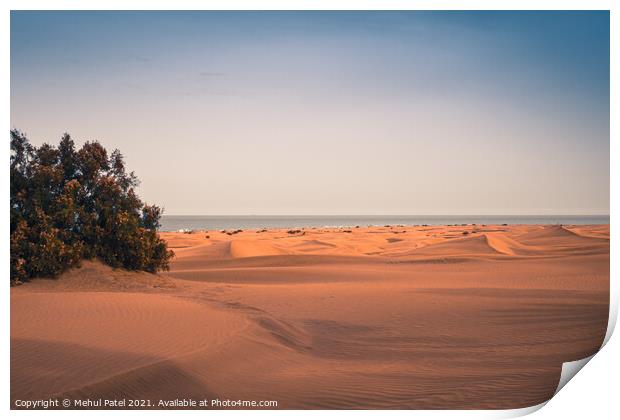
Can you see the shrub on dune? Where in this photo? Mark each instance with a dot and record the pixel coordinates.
(69, 204)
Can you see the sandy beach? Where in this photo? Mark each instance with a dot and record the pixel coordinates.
(394, 317)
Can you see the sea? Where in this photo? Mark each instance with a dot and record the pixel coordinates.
(177, 223)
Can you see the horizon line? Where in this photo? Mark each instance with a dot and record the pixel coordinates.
(394, 215)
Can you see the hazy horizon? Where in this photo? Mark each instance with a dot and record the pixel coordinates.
(378, 215)
(329, 113)
(175, 223)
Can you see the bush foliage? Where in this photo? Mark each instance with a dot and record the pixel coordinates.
(69, 204)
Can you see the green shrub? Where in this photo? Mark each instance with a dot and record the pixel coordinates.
(67, 205)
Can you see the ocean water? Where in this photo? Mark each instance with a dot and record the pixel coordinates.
(175, 223)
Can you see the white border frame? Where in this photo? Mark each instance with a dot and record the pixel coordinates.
(591, 395)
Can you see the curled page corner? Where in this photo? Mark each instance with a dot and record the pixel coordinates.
(613, 316)
(569, 370)
(519, 412)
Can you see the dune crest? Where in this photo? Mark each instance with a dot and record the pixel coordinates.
(506, 245)
(247, 248)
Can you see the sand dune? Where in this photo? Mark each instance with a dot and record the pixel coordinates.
(245, 248)
(390, 317)
(81, 338)
(472, 246)
(504, 245)
(595, 231)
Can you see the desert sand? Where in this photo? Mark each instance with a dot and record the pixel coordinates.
(395, 317)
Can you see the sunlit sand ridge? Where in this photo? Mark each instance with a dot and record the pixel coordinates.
(380, 317)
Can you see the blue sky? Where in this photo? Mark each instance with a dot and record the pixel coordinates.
(329, 112)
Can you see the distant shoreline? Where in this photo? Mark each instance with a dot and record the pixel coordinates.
(171, 223)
